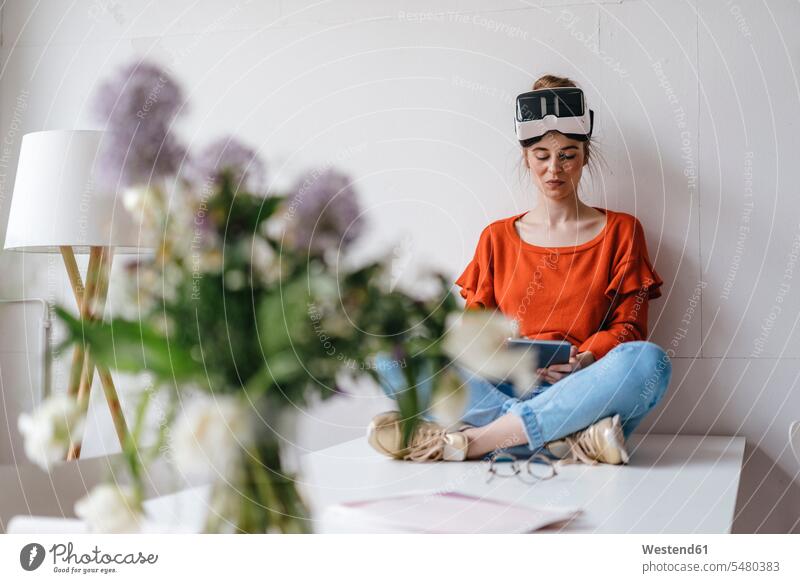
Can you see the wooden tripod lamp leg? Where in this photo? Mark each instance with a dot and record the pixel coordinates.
(86, 309)
(91, 303)
(74, 274)
(110, 391)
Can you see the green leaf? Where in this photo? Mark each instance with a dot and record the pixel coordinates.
(283, 318)
(130, 346)
(259, 383)
(408, 404)
(285, 367)
(282, 369)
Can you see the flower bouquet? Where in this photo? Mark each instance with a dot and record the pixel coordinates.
(241, 311)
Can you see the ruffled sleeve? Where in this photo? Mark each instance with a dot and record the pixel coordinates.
(477, 281)
(633, 282)
(633, 272)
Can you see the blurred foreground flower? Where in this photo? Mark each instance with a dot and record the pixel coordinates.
(109, 508)
(138, 107)
(242, 163)
(143, 202)
(208, 437)
(476, 339)
(449, 399)
(264, 261)
(324, 213)
(245, 292)
(48, 430)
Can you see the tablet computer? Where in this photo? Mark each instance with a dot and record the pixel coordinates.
(550, 351)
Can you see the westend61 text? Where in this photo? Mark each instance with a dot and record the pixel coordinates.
(671, 550)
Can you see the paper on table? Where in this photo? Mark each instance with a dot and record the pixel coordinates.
(443, 512)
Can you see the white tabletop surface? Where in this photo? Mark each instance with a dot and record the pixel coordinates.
(673, 484)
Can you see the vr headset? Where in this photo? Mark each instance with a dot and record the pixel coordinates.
(562, 109)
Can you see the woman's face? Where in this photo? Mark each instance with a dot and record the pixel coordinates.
(556, 163)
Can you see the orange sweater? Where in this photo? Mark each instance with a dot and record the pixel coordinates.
(593, 295)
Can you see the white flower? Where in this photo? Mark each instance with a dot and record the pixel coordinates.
(449, 399)
(109, 508)
(208, 436)
(476, 339)
(325, 288)
(186, 227)
(326, 310)
(402, 254)
(48, 430)
(145, 206)
(235, 280)
(265, 262)
(171, 279)
(276, 225)
(137, 198)
(210, 260)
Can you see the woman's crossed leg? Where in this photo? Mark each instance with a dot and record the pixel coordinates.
(628, 381)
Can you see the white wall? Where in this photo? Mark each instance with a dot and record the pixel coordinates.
(696, 104)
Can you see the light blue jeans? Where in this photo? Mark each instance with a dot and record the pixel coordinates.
(630, 380)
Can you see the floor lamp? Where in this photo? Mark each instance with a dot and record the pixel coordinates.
(57, 208)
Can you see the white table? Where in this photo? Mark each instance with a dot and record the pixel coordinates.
(674, 484)
(42, 502)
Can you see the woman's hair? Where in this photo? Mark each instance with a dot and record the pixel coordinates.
(589, 148)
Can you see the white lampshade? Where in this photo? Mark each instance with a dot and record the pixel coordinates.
(56, 200)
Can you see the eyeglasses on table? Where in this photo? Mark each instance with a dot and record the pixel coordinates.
(536, 468)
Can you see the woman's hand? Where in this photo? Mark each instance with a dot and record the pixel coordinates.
(556, 372)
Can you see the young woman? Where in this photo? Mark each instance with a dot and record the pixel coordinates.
(563, 270)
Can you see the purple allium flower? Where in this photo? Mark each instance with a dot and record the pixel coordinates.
(229, 154)
(324, 213)
(138, 106)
